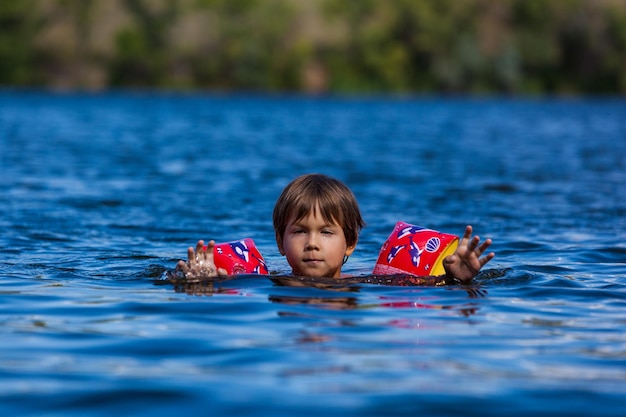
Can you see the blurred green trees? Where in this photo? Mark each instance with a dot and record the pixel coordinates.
(511, 46)
(17, 32)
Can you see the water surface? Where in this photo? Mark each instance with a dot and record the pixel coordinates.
(102, 193)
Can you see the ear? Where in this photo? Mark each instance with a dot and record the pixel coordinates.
(279, 243)
(350, 249)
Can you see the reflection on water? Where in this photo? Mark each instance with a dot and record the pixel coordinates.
(326, 297)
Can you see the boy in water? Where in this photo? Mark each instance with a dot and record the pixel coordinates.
(317, 221)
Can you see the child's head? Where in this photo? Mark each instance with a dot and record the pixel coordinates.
(331, 205)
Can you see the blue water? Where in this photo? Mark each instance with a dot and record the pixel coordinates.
(101, 193)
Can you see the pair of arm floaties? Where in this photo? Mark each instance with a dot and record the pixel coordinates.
(409, 249)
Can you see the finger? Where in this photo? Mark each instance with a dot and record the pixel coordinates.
(222, 272)
(486, 258)
(483, 247)
(207, 253)
(448, 260)
(466, 236)
(199, 247)
(202, 254)
(210, 246)
(473, 243)
(182, 266)
(191, 256)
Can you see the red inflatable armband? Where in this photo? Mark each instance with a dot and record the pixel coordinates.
(415, 250)
(239, 257)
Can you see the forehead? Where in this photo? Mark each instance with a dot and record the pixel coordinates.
(314, 214)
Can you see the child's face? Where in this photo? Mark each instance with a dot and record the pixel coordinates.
(313, 247)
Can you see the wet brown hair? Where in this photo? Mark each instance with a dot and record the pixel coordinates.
(304, 195)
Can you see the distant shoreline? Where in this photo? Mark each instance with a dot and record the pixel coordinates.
(473, 47)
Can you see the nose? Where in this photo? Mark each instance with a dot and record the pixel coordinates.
(311, 242)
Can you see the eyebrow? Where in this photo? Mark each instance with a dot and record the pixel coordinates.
(326, 224)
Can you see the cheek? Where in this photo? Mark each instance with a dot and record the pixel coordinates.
(289, 245)
(337, 251)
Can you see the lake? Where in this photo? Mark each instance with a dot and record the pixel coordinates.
(102, 193)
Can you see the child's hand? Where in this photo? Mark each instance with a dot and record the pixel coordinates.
(200, 262)
(465, 263)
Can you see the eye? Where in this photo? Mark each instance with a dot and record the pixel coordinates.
(327, 232)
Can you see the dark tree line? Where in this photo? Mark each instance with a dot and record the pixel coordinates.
(512, 46)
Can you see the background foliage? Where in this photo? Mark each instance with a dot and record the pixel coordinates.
(512, 46)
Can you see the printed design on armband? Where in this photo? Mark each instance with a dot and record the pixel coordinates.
(240, 248)
(413, 248)
(433, 244)
(261, 267)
